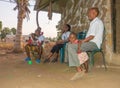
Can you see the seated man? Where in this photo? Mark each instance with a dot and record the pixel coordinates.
(92, 41)
(35, 43)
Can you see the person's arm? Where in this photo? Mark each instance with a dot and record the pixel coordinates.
(84, 40)
(79, 44)
(40, 40)
(66, 39)
(88, 38)
(60, 42)
(41, 43)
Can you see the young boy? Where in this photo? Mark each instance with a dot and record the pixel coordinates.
(32, 39)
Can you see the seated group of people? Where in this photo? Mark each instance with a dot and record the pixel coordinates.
(35, 43)
(75, 51)
(36, 40)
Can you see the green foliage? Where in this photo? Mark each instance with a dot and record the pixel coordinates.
(3, 34)
(13, 30)
(58, 37)
(6, 30)
(0, 26)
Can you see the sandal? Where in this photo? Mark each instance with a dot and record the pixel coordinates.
(46, 60)
(54, 60)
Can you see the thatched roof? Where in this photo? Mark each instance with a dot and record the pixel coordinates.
(56, 5)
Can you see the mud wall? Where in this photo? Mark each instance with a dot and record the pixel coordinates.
(75, 14)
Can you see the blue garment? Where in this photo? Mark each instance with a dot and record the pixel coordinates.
(27, 59)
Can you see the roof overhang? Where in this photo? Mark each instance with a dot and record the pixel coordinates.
(56, 5)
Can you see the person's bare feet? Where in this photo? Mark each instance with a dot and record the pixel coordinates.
(78, 75)
(79, 69)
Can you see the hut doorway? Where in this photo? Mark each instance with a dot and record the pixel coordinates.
(116, 25)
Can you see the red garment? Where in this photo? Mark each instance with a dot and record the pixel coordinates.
(39, 43)
(76, 41)
(30, 41)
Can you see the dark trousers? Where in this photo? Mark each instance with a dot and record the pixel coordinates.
(56, 48)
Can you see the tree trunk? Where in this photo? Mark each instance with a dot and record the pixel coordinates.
(18, 40)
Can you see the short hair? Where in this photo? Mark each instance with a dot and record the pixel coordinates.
(96, 9)
(69, 27)
(73, 33)
(38, 29)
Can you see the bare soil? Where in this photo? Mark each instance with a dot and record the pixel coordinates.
(16, 73)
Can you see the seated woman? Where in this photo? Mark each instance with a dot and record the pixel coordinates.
(35, 41)
(59, 44)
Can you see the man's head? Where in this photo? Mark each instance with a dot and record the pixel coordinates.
(33, 35)
(72, 37)
(93, 13)
(38, 31)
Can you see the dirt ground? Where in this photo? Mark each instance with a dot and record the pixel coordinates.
(16, 73)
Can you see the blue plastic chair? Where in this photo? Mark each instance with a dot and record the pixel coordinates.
(81, 35)
(91, 57)
(62, 54)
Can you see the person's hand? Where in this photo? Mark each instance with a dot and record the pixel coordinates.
(78, 51)
(39, 43)
(59, 41)
(80, 42)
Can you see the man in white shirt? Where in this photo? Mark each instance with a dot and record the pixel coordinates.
(94, 35)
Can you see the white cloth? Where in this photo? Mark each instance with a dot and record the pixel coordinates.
(83, 57)
(96, 29)
(65, 35)
(41, 38)
(30, 36)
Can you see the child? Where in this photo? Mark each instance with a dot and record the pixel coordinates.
(29, 46)
(32, 39)
(82, 56)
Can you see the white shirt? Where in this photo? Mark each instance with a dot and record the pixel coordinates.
(65, 35)
(96, 29)
(41, 38)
